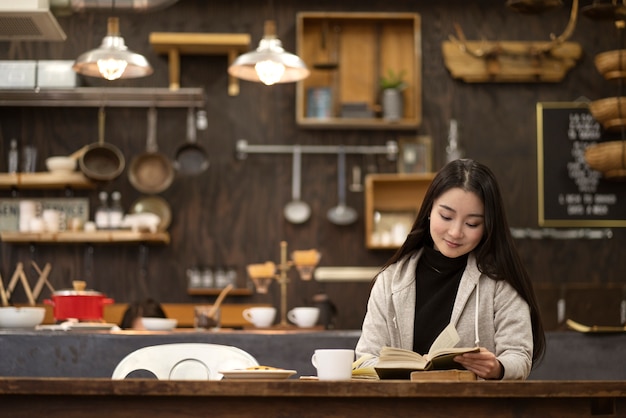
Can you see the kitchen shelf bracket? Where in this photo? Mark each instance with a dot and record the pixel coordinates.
(390, 149)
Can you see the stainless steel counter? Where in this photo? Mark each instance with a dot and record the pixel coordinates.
(570, 355)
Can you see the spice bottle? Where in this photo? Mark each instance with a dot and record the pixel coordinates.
(116, 212)
(13, 157)
(102, 212)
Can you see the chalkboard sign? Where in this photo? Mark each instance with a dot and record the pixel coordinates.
(570, 193)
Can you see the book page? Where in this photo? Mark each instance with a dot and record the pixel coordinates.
(448, 338)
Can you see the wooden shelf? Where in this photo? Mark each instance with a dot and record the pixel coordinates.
(86, 237)
(215, 292)
(363, 47)
(104, 96)
(174, 44)
(45, 180)
(392, 200)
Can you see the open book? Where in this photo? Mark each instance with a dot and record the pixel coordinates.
(398, 363)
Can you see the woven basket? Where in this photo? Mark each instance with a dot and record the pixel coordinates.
(612, 64)
(609, 158)
(610, 112)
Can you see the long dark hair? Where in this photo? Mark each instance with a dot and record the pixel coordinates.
(496, 254)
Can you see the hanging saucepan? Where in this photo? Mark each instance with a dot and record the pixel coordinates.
(605, 10)
(191, 158)
(101, 161)
(151, 172)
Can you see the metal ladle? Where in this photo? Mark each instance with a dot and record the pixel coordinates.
(296, 211)
(341, 214)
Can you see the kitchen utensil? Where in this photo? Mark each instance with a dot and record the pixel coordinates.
(43, 279)
(356, 185)
(604, 10)
(220, 299)
(102, 161)
(304, 316)
(61, 164)
(152, 171)
(296, 211)
(191, 158)
(3, 294)
(260, 316)
(341, 214)
(156, 205)
(78, 303)
(158, 324)
(21, 317)
(21, 276)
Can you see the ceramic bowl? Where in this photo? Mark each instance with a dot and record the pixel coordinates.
(159, 324)
(61, 164)
(21, 317)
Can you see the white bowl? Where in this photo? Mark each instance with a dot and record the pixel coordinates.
(61, 164)
(158, 324)
(21, 317)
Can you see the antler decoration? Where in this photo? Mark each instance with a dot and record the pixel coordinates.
(492, 50)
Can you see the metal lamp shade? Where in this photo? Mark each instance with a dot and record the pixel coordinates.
(270, 49)
(112, 48)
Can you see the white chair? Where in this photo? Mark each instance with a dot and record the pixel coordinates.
(184, 361)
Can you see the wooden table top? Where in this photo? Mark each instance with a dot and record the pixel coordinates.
(307, 388)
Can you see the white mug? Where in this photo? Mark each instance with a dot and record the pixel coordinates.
(29, 209)
(333, 364)
(54, 220)
(304, 317)
(260, 316)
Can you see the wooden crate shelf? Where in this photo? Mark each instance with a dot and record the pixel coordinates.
(364, 47)
(390, 200)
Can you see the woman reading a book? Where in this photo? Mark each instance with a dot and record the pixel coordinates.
(459, 266)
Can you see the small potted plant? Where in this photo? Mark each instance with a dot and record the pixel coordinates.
(392, 86)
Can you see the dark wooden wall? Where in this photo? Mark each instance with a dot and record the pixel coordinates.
(232, 213)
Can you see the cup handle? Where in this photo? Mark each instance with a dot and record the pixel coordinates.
(292, 316)
(246, 315)
(314, 361)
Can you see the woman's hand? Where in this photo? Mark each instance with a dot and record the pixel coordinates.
(484, 364)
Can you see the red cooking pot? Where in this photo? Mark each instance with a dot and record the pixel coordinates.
(84, 305)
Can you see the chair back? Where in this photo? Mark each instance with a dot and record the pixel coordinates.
(184, 361)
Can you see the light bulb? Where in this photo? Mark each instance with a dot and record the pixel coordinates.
(269, 72)
(111, 68)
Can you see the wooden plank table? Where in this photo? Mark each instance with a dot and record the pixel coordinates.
(67, 398)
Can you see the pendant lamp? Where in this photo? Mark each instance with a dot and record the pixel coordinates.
(112, 60)
(269, 63)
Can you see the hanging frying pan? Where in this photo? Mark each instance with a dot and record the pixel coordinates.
(101, 161)
(151, 172)
(191, 158)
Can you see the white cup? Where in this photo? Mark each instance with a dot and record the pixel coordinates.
(260, 316)
(304, 317)
(29, 209)
(54, 220)
(333, 364)
(37, 225)
(90, 226)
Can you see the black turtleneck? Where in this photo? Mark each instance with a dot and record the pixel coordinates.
(437, 280)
